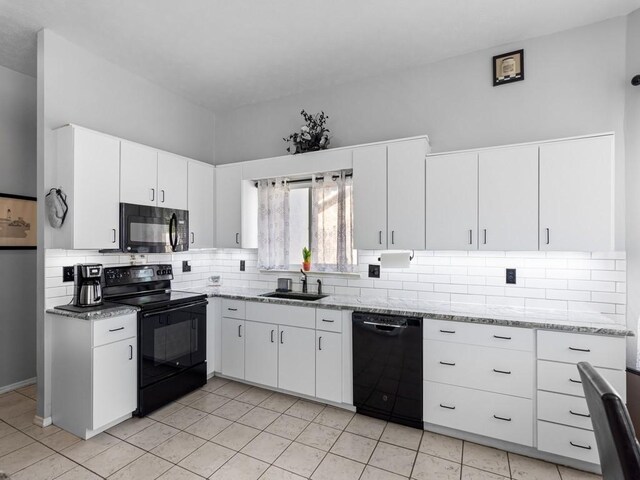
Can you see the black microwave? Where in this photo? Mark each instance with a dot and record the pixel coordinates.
(145, 229)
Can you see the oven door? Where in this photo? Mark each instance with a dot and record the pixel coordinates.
(147, 229)
(171, 340)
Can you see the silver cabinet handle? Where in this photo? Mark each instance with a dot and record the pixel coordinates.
(485, 236)
(130, 352)
(116, 329)
(586, 447)
(504, 372)
(327, 320)
(499, 337)
(470, 237)
(574, 381)
(153, 194)
(585, 415)
(272, 335)
(447, 407)
(319, 343)
(281, 336)
(232, 309)
(447, 331)
(238, 238)
(114, 235)
(449, 364)
(162, 192)
(240, 331)
(393, 235)
(193, 237)
(575, 349)
(380, 237)
(502, 418)
(548, 236)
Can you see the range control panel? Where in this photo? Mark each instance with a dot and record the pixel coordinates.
(137, 274)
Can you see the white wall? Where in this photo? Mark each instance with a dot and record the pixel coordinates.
(76, 86)
(17, 267)
(632, 137)
(574, 85)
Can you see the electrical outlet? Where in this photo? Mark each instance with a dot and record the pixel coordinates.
(374, 271)
(511, 275)
(186, 266)
(67, 274)
(242, 265)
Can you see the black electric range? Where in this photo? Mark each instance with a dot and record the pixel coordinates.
(172, 332)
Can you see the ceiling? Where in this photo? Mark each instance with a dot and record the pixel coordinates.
(226, 53)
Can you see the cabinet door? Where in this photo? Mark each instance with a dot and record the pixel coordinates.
(406, 195)
(297, 360)
(96, 203)
(508, 198)
(370, 197)
(329, 366)
(172, 181)
(261, 353)
(452, 202)
(228, 206)
(233, 347)
(138, 174)
(115, 381)
(576, 195)
(201, 202)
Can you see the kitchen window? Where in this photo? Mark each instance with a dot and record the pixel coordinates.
(315, 213)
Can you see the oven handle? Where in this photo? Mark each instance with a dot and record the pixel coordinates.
(187, 305)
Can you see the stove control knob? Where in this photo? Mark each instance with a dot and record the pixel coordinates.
(159, 272)
(164, 272)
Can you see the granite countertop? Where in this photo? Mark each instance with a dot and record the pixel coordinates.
(577, 322)
(108, 310)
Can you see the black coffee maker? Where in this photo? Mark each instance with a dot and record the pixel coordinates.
(88, 285)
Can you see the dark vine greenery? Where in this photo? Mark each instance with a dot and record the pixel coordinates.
(312, 136)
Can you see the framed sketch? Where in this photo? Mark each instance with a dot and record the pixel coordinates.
(18, 215)
(508, 68)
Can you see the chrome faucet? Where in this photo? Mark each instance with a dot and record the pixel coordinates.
(319, 287)
(304, 281)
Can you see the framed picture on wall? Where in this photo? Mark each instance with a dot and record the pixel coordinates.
(508, 68)
(18, 215)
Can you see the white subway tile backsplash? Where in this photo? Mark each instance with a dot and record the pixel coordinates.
(580, 281)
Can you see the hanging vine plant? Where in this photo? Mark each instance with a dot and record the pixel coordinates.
(313, 136)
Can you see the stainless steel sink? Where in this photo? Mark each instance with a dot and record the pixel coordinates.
(294, 296)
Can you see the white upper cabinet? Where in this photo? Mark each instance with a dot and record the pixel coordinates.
(370, 197)
(88, 170)
(452, 202)
(201, 204)
(406, 194)
(229, 206)
(172, 181)
(388, 195)
(576, 195)
(508, 198)
(138, 174)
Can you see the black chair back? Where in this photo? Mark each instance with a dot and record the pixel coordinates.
(616, 439)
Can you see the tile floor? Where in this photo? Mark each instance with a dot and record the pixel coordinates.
(228, 430)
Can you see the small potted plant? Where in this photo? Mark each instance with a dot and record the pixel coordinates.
(306, 259)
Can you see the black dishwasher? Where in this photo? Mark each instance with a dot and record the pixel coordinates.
(387, 367)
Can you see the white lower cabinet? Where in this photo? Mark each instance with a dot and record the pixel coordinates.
(94, 371)
(115, 381)
(261, 353)
(297, 360)
(233, 347)
(329, 366)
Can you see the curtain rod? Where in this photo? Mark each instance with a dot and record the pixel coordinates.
(309, 179)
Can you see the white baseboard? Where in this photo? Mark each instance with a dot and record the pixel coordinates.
(42, 422)
(15, 386)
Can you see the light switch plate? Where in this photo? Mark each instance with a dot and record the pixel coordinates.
(511, 276)
(186, 266)
(374, 271)
(67, 274)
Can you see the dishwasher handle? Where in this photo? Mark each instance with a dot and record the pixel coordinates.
(384, 326)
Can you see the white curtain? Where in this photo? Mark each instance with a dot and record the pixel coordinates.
(332, 223)
(273, 224)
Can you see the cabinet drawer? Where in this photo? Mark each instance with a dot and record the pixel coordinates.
(568, 442)
(483, 368)
(565, 378)
(113, 329)
(511, 338)
(329, 320)
(599, 351)
(290, 315)
(233, 308)
(564, 409)
(489, 414)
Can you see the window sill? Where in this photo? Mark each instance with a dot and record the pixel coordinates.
(315, 273)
